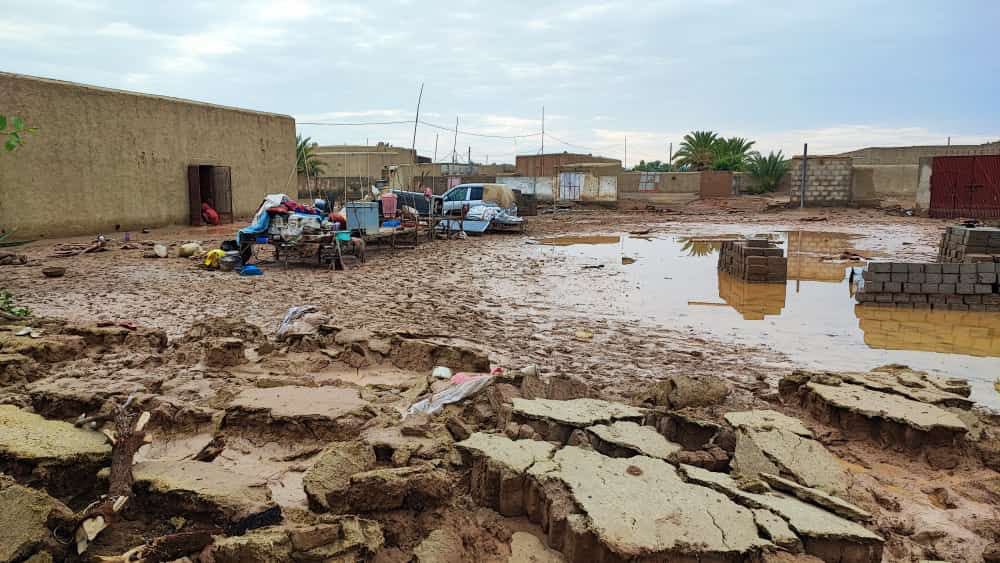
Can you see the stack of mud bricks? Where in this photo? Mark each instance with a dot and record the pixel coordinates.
(755, 260)
(957, 287)
(970, 244)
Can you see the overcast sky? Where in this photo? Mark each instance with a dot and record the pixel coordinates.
(840, 75)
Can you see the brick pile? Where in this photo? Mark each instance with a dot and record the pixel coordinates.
(970, 244)
(956, 287)
(755, 260)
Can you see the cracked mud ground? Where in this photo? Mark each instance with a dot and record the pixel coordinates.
(231, 409)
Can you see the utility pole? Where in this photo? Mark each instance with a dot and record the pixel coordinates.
(625, 164)
(543, 129)
(436, 135)
(802, 187)
(416, 119)
(670, 156)
(454, 145)
(470, 155)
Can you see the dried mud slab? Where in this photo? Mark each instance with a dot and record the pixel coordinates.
(200, 490)
(764, 420)
(625, 439)
(891, 419)
(55, 455)
(784, 453)
(555, 420)
(824, 534)
(27, 520)
(345, 538)
(319, 413)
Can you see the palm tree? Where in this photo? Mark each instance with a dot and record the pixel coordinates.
(732, 153)
(697, 151)
(308, 164)
(767, 171)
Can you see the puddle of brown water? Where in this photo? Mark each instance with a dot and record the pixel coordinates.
(570, 241)
(812, 318)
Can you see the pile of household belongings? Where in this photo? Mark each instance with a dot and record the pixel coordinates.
(498, 211)
(282, 219)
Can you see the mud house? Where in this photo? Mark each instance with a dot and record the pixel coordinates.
(103, 158)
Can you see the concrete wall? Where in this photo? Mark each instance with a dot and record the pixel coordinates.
(659, 188)
(828, 180)
(912, 155)
(104, 157)
(540, 187)
(361, 160)
(872, 183)
(546, 164)
(924, 170)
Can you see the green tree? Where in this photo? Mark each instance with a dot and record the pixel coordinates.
(653, 166)
(767, 171)
(697, 150)
(15, 136)
(308, 164)
(732, 154)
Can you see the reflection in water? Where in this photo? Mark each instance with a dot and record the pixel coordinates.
(569, 241)
(815, 255)
(950, 332)
(811, 319)
(752, 300)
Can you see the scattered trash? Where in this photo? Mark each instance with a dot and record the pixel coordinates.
(251, 270)
(441, 372)
(76, 249)
(452, 394)
(640, 233)
(593, 266)
(189, 249)
(213, 257)
(36, 333)
(53, 272)
(10, 259)
(23, 332)
(626, 260)
(584, 335)
(463, 377)
(160, 250)
(531, 241)
(288, 322)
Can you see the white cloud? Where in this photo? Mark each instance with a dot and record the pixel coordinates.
(590, 11)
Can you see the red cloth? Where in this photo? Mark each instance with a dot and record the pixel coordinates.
(278, 210)
(338, 218)
(209, 215)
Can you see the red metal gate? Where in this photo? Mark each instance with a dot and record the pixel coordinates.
(965, 186)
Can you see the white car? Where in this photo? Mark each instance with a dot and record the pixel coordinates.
(475, 195)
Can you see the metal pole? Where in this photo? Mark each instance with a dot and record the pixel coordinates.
(626, 154)
(417, 118)
(543, 130)
(802, 188)
(436, 135)
(454, 144)
(671, 153)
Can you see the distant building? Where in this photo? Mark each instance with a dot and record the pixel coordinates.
(363, 161)
(912, 155)
(104, 159)
(546, 164)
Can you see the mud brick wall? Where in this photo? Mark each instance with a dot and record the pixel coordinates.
(957, 287)
(969, 244)
(753, 260)
(828, 180)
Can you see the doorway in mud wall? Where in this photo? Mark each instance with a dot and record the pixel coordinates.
(211, 184)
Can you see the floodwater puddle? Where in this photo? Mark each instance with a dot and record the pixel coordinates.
(582, 240)
(812, 318)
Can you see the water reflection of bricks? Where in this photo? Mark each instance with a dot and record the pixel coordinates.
(752, 300)
(756, 260)
(949, 332)
(814, 256)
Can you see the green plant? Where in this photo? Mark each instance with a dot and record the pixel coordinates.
(307, 163)
(766, 171)
(7, 305)
(653, 166)
(16, 134)
(732, 153)
(697, 150)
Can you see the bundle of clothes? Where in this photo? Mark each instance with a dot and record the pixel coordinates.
(281, 217)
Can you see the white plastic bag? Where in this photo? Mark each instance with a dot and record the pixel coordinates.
(452, 394)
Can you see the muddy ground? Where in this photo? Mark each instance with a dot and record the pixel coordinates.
(378, 329)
